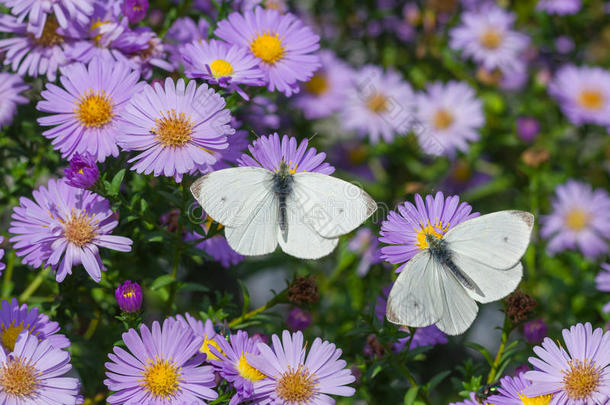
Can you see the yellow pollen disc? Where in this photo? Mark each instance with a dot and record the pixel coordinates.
(581, 380)
(247, 371)
(577, 219)
(9, 334)
(296, 386)
(18, 379)
(221, 68)
(429, 229)
(98, 23)
(129, 294)
(443, 119)
(267, 47)
(94, 108)
(378, 103)
(205, 348)
(79, 229)
(173, 129)
(161, 378)
(541, 400)
(49, 36)
(317, 85)
(491, 39)
(591, 99)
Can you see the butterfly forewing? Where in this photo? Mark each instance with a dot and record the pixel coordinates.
(459, 309)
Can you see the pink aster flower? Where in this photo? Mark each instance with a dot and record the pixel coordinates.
(603, 282)
(580, 219)
(85, 113)
(176, 127)
(559, 7)
(577, 375)
(282, 43)
(65, 226)
(11, 87)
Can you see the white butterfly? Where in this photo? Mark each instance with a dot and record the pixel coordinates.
(304, 212)
(477, 260)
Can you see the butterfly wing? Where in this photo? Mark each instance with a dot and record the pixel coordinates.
(459, 309)
(332, 207)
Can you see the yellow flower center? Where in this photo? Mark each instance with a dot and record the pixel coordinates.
(221, 68)
(18, 379)
(462, 171)
(94, 108)
(591, 99)
(247, 371)
(296, 386)
(98, 23)
(378, 103)
(267, 47)
(161, 378)
(443, 119)
(205, 348)
(49, 36)
(317, 85)
(541, 400)
(491, 38)
(79, 230)
(437, 230)
(581, 380)
(173, 129)
(577, 219)
(10, 333)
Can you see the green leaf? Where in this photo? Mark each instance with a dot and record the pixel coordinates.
(411, 395)
(481, 350)
(162, 281)
(113, 188)
(246, 295)
(436, 380)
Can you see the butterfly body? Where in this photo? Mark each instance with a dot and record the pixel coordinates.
(282, 187)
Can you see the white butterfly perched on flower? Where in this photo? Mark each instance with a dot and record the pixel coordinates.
(304, 212)
(477, 260)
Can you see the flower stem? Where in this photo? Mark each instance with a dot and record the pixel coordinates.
(7, 285)
(491, 377)
(279, 298)
(33, 286)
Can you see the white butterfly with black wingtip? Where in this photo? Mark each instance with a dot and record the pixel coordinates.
(305, 212)
(477, 260)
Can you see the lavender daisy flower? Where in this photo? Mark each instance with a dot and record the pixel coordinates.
(406, 229)
(83, 171)
(261, 113)
(324, 94)
(450, 115)
(226, 158)
(580, 219)
(176, 127)
(2, 265)
(282, 43)
(36, 12)
(583, 94)
(205, 331)
(232, 364)
(86, 112)
(15, 319)
(534, 331)
(135, 10)
(528, 128)
(11, 87)
(160, 369)
(65, 226)
(463, 177)
(184, 31)
(487, 36)
(511, 393)
(559, 7)
(144, 50)
(298, 319)
(471, 401)
(603, 282)
(129, 296)
(34, 373)
(576, 376)
(218, 248)
(365, 243)
(296, 377)
(269, 152)
(222, 64)
(378, 105)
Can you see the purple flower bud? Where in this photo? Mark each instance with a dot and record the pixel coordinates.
(83, 171)
(298, 319)
(129, 296)
(135, 10)
(521, 369)
(527, 128)
(534, 331)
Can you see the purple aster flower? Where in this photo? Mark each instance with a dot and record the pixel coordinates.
(83, 171)
(15, 319)
(161, 368)
(534, 331)
(184, 31)
(449, 115)
(222, 64)
(603, 282)
(471, 401)
(378, 104)
(11, 87)
(2, 265)
(366, 244)
(487, 36)
(282, 43)
(576, 376)
(218, 248)
(463, 177)
(205, 331)
(511, 393)
(294, 376)
(405, 229)
(232, 364)
(176, 127)
(261, 113)
(34, 373)
(583, 94)
(580, 219)
(86, 112)
(129, 296)
(144, 50)
(65, 226)
(135, 10)
(36, 12)
(298, 319)
(238, 142)
(559, 7)
(564, 44)
(528, 128)
(324, 94)
(269, 152)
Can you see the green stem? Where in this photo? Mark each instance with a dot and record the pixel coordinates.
(491, 377)
(33, 286)
(92, 326)
(278, 299)
(7, 286)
